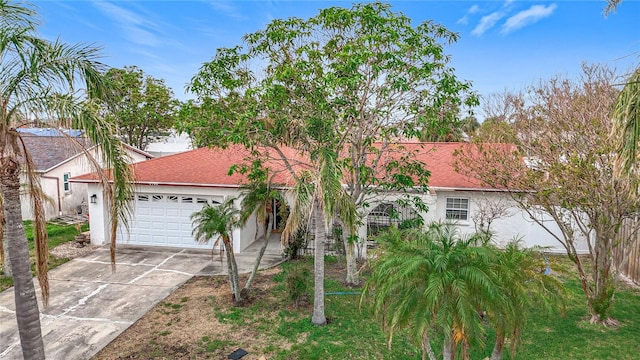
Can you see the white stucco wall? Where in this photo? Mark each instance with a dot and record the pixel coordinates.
(516, 224)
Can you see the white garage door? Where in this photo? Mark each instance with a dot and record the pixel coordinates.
(163, 220)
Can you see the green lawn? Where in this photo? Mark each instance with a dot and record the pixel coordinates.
(354, 334)
(58, 234)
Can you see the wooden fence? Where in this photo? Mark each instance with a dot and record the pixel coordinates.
(627, 255)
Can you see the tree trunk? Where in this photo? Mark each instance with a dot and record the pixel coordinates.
(447, 348)
(426, 347)
(7, 262)
(27, 312)
(350, 254)
(267, 235)
(232, 268)
(601, 297)
(496, 354)
(318, 317)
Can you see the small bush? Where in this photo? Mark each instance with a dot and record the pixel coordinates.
(298, 284)
(296, 243)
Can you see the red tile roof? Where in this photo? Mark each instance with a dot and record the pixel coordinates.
(209, 167)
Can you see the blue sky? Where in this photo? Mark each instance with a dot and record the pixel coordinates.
(503, 44)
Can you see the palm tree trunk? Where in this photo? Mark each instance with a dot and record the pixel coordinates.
(232, 268)
(267, 235)
(447, 348)
(6, 261)
(426, 347)
(318, 317)
(27, 312)
(496, 354)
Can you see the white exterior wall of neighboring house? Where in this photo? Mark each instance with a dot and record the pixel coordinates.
(173, 144)
(65, 200)
(164, 218)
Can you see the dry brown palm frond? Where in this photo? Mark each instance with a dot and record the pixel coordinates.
(25, 190)
(40, 236)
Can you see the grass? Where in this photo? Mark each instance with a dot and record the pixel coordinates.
(353, 333)
(199, 321)
(57, 235)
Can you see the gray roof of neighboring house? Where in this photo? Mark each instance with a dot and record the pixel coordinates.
(49, 151)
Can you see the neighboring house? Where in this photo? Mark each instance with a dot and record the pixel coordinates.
(169, 189)
(57, 159)
(169, 145)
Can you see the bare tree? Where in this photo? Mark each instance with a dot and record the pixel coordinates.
(563, 169)
(489, 210)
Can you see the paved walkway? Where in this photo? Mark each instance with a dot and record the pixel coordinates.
(90, 306)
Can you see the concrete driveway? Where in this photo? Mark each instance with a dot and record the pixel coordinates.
(90, 306)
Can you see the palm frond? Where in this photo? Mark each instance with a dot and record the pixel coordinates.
(215, 221)
(302, 194)
(626, 115)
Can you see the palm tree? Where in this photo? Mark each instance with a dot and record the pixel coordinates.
(525, 284)
(259, 197)
(626, 114)
(60, 83)
(319, 195)
(218, 221)
(429, 280)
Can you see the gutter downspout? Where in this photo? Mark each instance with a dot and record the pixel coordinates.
(57, 190)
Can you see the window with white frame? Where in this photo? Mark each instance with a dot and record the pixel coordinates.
(65, 182)
(457, 209)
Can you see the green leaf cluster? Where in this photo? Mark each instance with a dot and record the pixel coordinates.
(142, 107)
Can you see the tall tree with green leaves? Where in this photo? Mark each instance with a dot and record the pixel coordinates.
(143, 107)
(217, 222)
(366, 77)
(60, 83)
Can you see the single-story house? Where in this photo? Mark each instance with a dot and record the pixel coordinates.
(57, 159)
(171, 188)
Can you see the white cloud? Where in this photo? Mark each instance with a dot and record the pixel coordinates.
(228, 9)
(465, 19)
(527, 17)
(137, 28)
(487, 22)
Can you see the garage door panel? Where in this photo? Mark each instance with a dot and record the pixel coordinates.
(141, 210)
(172, 211)
(186, 213)
(158, 212)
(172, 226)
(142, 238)
(142, 224)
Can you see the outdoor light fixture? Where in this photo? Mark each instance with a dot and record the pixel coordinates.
(94, 199)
